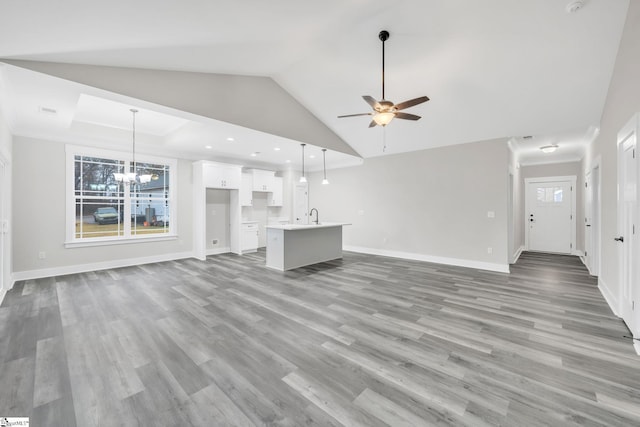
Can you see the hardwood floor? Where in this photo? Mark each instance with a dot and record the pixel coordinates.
(364, 341)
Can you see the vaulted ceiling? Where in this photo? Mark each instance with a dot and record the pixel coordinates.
(492, 68)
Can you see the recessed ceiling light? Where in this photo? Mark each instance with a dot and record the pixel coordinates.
(312, 156)
(48, 110)
(276, 149)
(208, 147)
(230, 139)
(287, 161)
(255, 153)
(549, 148)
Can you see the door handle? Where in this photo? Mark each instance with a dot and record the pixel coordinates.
(619, 239)
(588, 225)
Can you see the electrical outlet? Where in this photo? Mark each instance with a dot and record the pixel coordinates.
(361, 212)
(491, 214)
(489, 250)
(42, 255)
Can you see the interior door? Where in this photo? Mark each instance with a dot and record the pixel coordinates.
(595, 222)
(588, 221)
(627, 212)
(549, 216)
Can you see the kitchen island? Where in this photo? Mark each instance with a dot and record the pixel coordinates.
(291, 246)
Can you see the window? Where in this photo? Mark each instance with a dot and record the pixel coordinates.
(101, 209)
(549, 195)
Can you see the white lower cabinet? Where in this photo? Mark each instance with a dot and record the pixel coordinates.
(249, 237)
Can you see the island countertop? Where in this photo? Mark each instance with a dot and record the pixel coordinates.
(293, 227)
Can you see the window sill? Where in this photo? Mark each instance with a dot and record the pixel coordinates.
(118, 241)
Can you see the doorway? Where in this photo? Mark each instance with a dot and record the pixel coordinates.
(3, 225)
(592, 220)
(217, 221)
(550, 214)
(510, 221)
(627, 218)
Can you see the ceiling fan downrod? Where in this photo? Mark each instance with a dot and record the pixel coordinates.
(383, 36)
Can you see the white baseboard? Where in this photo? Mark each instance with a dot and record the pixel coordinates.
(105, 265)
(3, 292)
(517, 254)
(578, 253)
(611, 299)
(217, 251)
(583, 258)
(636, 345)
(501, 268)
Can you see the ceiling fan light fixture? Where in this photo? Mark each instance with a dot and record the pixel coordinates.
(549, 148)
(383, 119)
(385, 111)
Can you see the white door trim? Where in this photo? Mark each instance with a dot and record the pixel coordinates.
(574, 189)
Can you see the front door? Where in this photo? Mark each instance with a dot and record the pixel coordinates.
(549, 215)
(627, 217)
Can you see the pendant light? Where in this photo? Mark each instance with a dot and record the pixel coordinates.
(325, 181)
(133, 177)
(303, 178)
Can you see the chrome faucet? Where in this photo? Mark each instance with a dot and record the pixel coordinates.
(317, 221)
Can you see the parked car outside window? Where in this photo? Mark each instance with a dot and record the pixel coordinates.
(106, 215)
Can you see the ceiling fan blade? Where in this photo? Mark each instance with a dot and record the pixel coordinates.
(371, 101)
(407, 116)
(411, 102)
(373, 124)
(355, 115)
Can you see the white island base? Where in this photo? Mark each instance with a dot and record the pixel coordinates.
(295, 245)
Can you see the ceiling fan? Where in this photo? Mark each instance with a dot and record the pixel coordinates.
(384, 111)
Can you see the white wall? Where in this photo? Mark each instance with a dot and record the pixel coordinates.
(623, 100)
(39, 211)
(430, 204)
(558, 169)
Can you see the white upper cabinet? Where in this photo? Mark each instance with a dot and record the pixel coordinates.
(276, 196)
(219, 175)
(263, 180)
(246, 190)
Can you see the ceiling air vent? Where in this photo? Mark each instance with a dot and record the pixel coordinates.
(48, 110)
(575, 6)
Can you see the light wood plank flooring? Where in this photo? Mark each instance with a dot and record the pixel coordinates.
(363, 341)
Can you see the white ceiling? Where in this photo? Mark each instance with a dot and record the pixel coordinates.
(492, 68)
